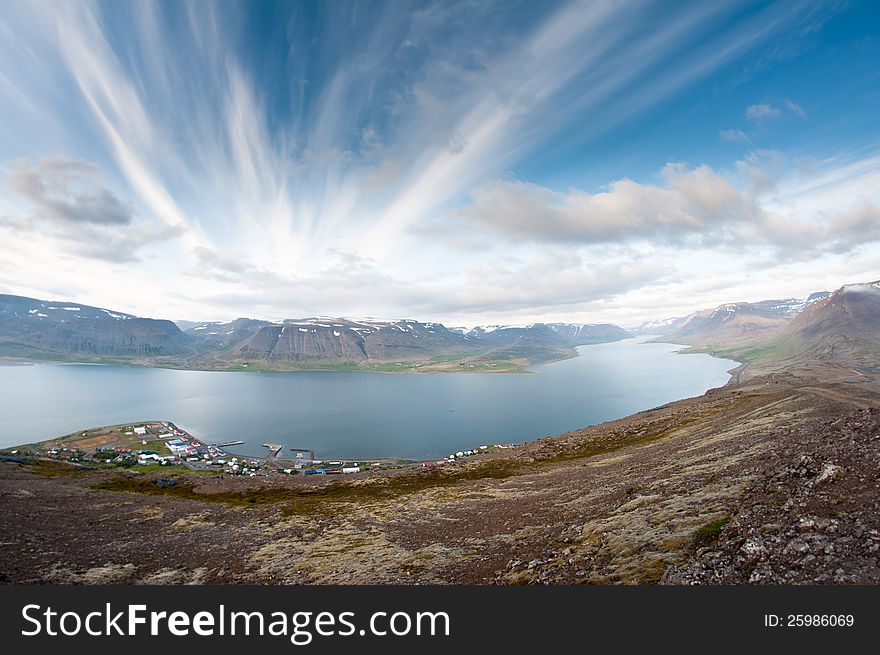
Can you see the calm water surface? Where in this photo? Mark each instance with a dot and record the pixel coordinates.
(354, 414)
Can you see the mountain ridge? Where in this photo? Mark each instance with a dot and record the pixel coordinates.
(41, 330)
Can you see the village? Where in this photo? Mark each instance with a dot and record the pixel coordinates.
(162, 446)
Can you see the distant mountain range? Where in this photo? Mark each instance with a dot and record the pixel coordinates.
(39, 329)
(47, 330)
(731, 323)
(841, 327)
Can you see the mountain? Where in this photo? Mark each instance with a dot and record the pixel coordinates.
(339, 339)
(582, 334)
(728, 324)
(38, 329)
(842, 328)
(732, 323)
(569, 334)
(42, 329)
(221, 336)
(542, 342)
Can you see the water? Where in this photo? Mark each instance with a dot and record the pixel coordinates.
(357, 414)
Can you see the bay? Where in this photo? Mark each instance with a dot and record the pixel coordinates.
(357, 415)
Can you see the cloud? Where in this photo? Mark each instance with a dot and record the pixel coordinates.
(837, 232)
(733, 135)
(68, 203)
(502, 284)
(761, 169)
(119, 245)
(341, 189)
(691, 201)
(761, 112)
(795, 108)
(691, 207)
(53, 187)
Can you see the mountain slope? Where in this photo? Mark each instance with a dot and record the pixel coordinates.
(44, 329)
(843, 328)
(729, 320)
(732, 324)
(337, 339)
(38, 330)
(727, 325)
(220, 336)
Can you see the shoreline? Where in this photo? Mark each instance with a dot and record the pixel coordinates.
(732, 380)
(662, 495)
(518, 368)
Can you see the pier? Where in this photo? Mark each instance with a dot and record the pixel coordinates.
(274, 449)
(226, 443)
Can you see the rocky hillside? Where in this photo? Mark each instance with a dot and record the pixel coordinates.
(340, 340)
(43, 329)
(222, 336)
(337, 339)
(841, 328)
(569, 334)
(731, 324)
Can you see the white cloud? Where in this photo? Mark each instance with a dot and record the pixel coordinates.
(692, 207)
(733, 135)
(761, 112)
(765, 112)
(795, 108)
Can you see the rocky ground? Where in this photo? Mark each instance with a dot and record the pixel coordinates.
(772, 480)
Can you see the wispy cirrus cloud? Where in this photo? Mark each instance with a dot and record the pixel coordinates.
(761, 112)
(766, 111)
(234, 149)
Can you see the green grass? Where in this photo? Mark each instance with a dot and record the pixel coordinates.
(168, 469)
(328, 500)
(158, 446)
(53, 468)
(709, 532)
(333, 498)
(392, 367)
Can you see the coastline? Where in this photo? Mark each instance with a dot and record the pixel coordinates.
(437, 449)
(663, 495)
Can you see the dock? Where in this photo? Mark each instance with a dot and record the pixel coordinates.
(274, 449)
(226, 443)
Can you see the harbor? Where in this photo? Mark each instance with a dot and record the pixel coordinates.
(155, 446)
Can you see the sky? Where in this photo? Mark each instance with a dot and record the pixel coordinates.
(472, 162)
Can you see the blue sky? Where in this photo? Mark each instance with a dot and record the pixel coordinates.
(469, 162)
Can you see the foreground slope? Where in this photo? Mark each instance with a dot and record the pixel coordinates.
(770, 481)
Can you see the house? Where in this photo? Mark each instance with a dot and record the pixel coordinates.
(140, 431)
